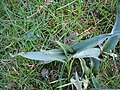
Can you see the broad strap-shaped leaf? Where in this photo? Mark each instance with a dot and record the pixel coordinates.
(95, 82)
(45, 55)
(116, 27)
(95, 64)
(65, 48)
(88, 53)
(90, 43)
(112, 42)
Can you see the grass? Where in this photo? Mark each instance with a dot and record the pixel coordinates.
(61, 21)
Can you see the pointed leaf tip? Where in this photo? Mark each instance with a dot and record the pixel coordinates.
(45, 55)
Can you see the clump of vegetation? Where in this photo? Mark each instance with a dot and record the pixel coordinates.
(84, 51)
(67, 43)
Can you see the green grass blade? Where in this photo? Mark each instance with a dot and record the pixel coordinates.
(64, 85)
(67, 5)
(84, 67)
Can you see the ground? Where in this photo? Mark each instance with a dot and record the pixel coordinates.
(24, 27)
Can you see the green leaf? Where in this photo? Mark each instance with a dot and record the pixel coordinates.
(116, 27)
(78, 84)
(95, 64)
(90, 43)
(112, 42)
(65, 48)
(95, 82)
(45, 55)
(89, 53)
